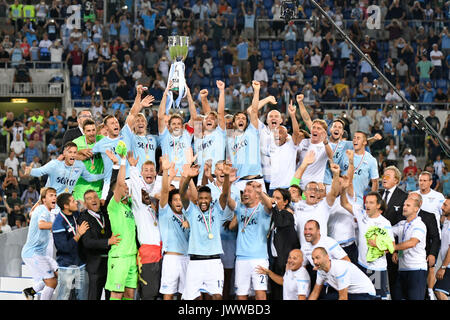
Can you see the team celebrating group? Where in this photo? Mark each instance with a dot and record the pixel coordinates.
(233, 209)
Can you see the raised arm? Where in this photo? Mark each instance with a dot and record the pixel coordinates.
(334, 192)
(121, 186)
(309, 158)
(223, 199)
(165, 165)
(295, 127)
(303, 112)
(350, 172)
(265, 199)
(138, 105)
(191, 105)
(254, 112)
(344, 202)
(187, 174)
(221, 104)
(263, 102)
(206, 108)
(162, 110)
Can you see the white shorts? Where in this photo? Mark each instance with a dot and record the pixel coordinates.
(41, 267)
(229, 253)
(77, 70)
(246, 277)
(173, 273)
(203, 276)
(240, 184)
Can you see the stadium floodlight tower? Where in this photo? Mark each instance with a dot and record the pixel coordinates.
(289, 11)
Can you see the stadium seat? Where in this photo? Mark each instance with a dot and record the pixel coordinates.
(75, 81)
(214, 54)
(268, 63)
(263, 45)
(217, 72)
(442, 83)
(266, 54)
(205, 82)
(276, 45)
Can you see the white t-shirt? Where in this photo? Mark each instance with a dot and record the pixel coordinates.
(341, 224)
(315, 171)
(432, 202)
(56, 54)
(260, 75)
(145, 217)
(391, 155)
(319, 212)
(316, 59)
(13, 164)
(333, 248)
(18, 146)
(364, 223)
(45, 43)
(282, 164)
(437, 62)
(344, 274)
(414, 258)
(296, 283)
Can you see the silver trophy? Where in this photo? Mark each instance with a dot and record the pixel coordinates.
(178, 50)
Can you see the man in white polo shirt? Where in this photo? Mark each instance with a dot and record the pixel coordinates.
(371, 217)
(431, 200)
(314, 207)
(410, 254)
(350, 282)
(436, 57)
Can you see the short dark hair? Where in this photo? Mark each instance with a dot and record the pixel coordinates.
(315, 223)
(63, 199)
(70, 144)
(109, 116)
(204, 189)
(380, 200)
(285, 194)
(88, 122)
(87, 192)
(171, 194)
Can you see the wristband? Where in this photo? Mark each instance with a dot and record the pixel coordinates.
(123, 162)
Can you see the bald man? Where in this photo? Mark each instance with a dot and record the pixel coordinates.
(296, 281)
(350, 282)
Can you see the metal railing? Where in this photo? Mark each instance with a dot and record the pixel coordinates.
(30, 89)
(33, 64)
(437, 25)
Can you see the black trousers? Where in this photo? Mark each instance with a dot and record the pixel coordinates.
(149, 280)
(96, 284)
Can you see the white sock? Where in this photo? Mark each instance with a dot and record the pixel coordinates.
(38, 286)
(47, 293)
(431, 294)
